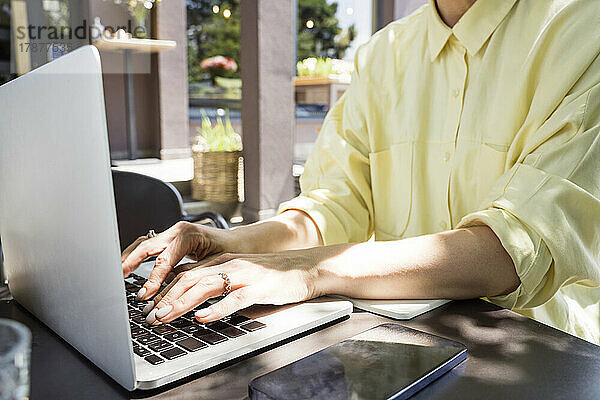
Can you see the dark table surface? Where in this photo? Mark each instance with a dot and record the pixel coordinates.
(509, 357)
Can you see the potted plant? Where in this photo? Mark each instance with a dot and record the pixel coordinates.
(218, 66)
(217, 152)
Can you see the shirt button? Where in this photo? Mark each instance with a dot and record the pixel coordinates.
(443, 225)
(455, 93)
(447, 156)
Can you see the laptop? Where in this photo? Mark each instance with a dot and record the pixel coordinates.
(61, 243)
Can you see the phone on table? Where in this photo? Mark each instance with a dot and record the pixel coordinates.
(389, 361)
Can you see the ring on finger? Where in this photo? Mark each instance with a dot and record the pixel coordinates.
(151, 233)
(227, 282)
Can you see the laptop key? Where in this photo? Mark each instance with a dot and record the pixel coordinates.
(141, 351)
(232, 332)
(177, 335)
(237, 319)
(180, 323)
(163, 329)
(225, 329)
(131, 288)
(209, 337)
(253, 326)
(173, 353)
(138, 331)
(147, 339)
(154, 359)
(192, 328)
(217, 325)
(140, 319)
(138, 279)
(191, 344)
(160, 346)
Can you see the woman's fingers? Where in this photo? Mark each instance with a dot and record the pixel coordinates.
(172, 278)
(131, 247)
(165, 262)
(184, 296)
(234, 301)
(187, 241)
(128, 266)
(176, 289)
(144, 249)
(150, 306)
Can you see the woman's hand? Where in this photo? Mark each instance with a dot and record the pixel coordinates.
(292, 229)
(278, 278)
(171, 246)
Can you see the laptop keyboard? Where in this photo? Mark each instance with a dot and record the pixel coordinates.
(160, 343)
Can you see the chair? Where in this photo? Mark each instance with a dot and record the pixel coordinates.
(145, 203)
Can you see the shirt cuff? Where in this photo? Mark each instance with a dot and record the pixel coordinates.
(529, 254)
(332, 230)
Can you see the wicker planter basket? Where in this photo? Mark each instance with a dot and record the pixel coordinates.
(216, 176)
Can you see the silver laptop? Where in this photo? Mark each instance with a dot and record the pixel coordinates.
(61, 244)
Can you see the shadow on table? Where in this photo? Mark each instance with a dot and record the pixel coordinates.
(510, 356)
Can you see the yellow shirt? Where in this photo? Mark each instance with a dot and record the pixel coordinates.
(495, 121)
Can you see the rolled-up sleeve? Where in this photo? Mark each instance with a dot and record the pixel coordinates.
(546, 208)
(336, 183)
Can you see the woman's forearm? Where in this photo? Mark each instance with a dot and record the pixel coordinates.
(288, 231)
(463, 263)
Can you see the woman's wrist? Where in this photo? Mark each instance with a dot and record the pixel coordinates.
(290, 230)
(323, 277)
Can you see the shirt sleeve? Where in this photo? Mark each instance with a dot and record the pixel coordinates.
(336, 183)
(545, 209)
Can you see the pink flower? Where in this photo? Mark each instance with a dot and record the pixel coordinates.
(219, 62)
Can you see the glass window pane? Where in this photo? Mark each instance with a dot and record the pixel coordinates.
(214, 70)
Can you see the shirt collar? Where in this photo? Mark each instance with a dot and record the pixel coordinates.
(472, 30)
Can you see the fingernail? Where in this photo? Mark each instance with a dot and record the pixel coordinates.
(148, 307)
(163, 311)
(141, 293)
(205, 312)
(151, 318)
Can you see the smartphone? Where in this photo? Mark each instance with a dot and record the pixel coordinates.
(389, 361)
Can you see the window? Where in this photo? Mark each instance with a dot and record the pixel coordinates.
(214, 74)
(326, 29)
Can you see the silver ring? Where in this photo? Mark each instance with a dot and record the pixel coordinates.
(150, 234)
(227, 282)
